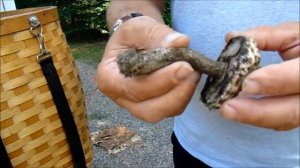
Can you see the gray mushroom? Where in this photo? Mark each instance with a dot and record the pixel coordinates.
(225, 76)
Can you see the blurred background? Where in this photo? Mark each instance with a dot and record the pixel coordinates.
(83, 22)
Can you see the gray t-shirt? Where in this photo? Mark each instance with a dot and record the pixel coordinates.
(205, 134)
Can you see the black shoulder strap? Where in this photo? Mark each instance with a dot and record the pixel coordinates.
(64, 111)
(4, 159)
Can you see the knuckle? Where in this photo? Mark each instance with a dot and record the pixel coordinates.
(257, 113)
(144, 112)
(284, 127)
(294, 118)
(133, 95)
(103, 86)
(150, 117)
(106, 86)
(119, 102)
(291, 122)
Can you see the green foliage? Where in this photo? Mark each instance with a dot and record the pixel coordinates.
(97, 115)
(167, 12)
(76, 16)
(90, 53)
(84, 14)
(82, 19)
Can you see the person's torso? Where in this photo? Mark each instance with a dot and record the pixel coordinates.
(205, 134)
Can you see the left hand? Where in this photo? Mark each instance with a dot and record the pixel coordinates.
(278, 83)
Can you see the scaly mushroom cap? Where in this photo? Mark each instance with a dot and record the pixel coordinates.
(241, 57)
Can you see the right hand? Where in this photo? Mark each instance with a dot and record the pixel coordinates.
(277, 84)
(164, 93)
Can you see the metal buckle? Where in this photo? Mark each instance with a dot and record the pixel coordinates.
(43, 56)
(37, 30)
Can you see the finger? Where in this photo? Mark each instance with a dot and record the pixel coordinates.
(290, 53)
(169, 104)
(280, 113)
(283, 38)
(276, 79)
(157, 83)
(141, 88)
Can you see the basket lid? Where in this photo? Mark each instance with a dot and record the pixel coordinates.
(17, 20)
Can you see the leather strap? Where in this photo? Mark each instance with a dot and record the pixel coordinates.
(64, 111)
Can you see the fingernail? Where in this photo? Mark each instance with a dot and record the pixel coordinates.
(170, 38)
(250, 87)
(183, 71)
(229, 112)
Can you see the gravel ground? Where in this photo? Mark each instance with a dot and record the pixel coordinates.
(155, 150)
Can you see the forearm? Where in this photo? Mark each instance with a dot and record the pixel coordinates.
(120, 8)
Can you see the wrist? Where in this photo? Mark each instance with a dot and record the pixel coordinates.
(123, 19)
(118, 9)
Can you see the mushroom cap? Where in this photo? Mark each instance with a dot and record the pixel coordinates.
(241, 56)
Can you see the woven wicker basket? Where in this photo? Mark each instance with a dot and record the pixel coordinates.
(31, 129)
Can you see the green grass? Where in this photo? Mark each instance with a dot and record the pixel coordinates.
(96, 115)
(90, 53)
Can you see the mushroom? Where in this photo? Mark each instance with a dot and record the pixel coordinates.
(225, 76)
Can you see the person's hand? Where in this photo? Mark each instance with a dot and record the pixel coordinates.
(278, 84)
(162, 94)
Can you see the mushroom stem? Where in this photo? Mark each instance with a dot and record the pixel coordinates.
(133, 63)
(225, 76)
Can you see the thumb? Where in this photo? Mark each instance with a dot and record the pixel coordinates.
(181, 70)
(146, 33)
(283, 38)
(175, 40)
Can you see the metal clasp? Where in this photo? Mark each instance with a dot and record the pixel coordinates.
(37, 30)
(43, 56)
